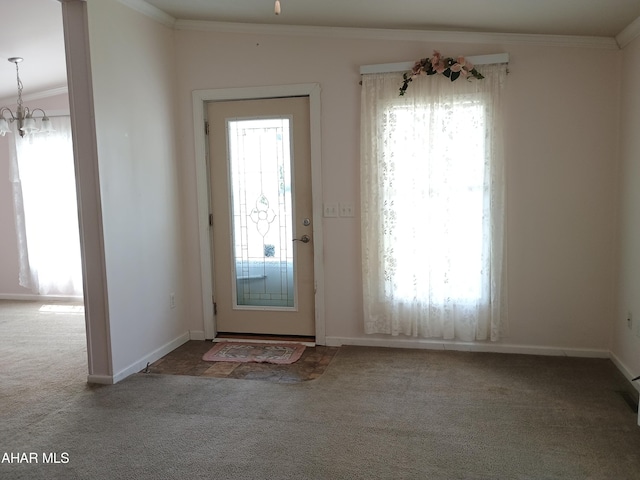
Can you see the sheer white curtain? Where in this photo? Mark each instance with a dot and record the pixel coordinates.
(44, 193)
(432, 196)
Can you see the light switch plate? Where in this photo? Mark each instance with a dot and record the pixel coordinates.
(330, 209)
(346, 209)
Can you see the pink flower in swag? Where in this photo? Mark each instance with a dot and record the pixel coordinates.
(463, 66)
(437, 62)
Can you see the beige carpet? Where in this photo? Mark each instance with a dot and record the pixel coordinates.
(374, 414)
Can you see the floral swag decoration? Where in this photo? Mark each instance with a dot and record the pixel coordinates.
(452, 68)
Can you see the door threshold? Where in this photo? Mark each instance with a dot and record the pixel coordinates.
(260, 338)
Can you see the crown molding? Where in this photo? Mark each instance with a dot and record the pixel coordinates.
(52, 92)
(149, 10)
(626, 36)
(406, 35)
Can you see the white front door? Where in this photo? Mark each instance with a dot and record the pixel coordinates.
(261, 205)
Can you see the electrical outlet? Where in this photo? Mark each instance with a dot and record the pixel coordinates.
(172, 300)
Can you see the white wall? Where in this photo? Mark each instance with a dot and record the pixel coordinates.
(133, 69)
(561, 152)
(562, 147)
(626, 341)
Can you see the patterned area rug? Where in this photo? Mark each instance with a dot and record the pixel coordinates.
(279, 353)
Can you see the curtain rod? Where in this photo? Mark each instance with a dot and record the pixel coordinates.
(406, 66)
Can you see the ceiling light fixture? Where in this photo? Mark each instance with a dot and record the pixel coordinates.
(276, 9)
(23, 115)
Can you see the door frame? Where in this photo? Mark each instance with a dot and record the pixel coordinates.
(200, 98)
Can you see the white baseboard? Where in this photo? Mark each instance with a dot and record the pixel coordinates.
(629, 375)
(465, 346)
(151, 357)
(196, 335)
(100, 379)
(30, 297)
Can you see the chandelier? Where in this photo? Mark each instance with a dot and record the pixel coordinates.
(23, 116)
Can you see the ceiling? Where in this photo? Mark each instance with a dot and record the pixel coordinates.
(32, 29)
(557, 17)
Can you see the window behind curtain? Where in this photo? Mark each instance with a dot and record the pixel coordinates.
(437, 212)
(46, 210)
(432, 210)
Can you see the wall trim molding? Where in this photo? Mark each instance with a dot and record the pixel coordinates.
(150, 11)
(628, 374)
(625, 370)
(157, 354)
(76, 40)
(629, 34)
(608, 43)
(200, 98)
(52, 92)
(100, 379)
(196, 335)
(437, 344)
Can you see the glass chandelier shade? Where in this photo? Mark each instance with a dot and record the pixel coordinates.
(23, 116)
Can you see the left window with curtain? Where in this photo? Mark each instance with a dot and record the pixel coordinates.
(45, 205)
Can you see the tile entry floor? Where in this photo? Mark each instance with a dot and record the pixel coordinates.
(187, 360)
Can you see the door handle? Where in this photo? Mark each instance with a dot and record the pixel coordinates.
(303, 239)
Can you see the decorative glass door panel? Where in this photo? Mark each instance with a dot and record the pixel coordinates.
(260, 180)
(261, 212)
